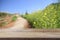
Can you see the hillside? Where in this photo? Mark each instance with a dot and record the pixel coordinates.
(6, 19)
(47, 18)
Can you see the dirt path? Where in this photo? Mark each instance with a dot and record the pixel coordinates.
(20, 24)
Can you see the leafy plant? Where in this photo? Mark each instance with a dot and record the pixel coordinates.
(47, 19)
(3, 24)
(2, 14)
(14, 18)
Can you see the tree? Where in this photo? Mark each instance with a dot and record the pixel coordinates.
(58, 1)
(2, 14)
(26, 13)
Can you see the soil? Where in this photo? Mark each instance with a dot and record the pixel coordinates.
(8, 25)
(19, 24)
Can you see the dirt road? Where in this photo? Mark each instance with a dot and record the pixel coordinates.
(20, 24)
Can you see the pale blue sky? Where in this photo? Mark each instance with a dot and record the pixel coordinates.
(22, 6)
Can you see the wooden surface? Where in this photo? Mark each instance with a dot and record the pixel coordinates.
(31, 34)
(29, 38)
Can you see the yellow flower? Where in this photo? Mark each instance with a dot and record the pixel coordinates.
(52, 19)
(34, 22)
(45, 13)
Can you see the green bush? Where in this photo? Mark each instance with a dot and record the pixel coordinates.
(3, 24)
(14, 18)
(47, 19)
(2, 14)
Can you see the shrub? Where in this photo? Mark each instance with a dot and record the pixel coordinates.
(47, 18)
(2, 14)
(14, 18)
(3, 24)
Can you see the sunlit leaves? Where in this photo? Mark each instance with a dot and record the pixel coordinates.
(47, 18)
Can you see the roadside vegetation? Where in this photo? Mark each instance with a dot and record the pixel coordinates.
(6, 18)
(49, 18)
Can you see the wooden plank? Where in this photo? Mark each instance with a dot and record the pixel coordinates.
(31, 33)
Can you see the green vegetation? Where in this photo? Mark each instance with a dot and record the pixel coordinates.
(14, 18)
(49, 18)
(3, 24)
(6, 18)
(2, 14)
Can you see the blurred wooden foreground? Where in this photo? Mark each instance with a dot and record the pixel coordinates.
(32, 33)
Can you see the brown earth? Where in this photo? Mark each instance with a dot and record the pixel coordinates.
(8, 25)
(19, 23)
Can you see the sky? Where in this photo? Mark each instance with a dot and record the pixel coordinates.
(21, 6)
